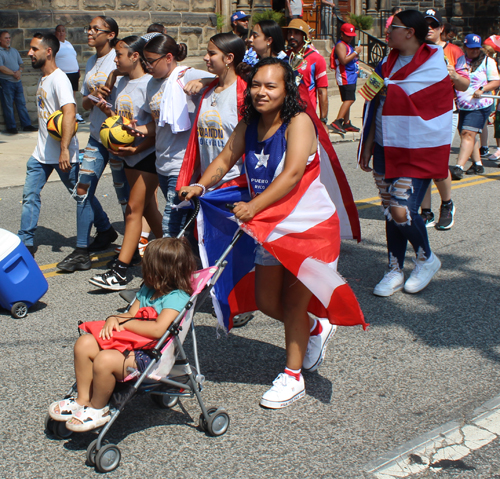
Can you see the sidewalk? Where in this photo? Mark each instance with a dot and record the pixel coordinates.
(16, 149)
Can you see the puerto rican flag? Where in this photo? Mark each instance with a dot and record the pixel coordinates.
(417, 115)
(493, 41)
(301, 230)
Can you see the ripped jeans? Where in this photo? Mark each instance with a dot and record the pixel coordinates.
(407, 193)
(89, 211)
(173, 219)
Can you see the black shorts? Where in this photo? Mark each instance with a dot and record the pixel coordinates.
(148, 164)
(74, 78)
(348, 92)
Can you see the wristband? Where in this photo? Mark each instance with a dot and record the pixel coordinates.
(324, 120)
(203, 189)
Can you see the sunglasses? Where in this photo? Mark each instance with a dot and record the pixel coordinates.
(152, 63)
(392, 27)
(93, 30)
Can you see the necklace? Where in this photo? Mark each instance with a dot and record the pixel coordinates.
(215, 97)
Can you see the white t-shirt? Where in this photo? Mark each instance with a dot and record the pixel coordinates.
(53, 92)
(96, 74)
(215, 125)
(66, 58)
(170, 147)
(129, 97)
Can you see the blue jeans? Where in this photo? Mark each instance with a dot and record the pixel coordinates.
(173, 219)
(37, 175)
(407, 193)
(12, 93)
(89, 211)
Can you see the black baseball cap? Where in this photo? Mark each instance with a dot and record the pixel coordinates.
(434, 14)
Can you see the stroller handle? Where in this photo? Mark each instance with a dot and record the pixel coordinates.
(196, 203)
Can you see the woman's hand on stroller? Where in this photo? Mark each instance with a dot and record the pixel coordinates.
(111, 324)
(187, 192)
(244, 211)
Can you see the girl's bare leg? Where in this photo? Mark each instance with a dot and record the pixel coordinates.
(86, 349)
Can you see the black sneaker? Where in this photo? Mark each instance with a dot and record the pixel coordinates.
(428, 218)
(103, 239)
(337, 126)
(136, 260)
(76, 261)
(446, 217)
(109, 280)
(11, 131)
(475, 169)
(30, 128)
(456, 172)
(31, 249)
(484, 151)
(350, 127)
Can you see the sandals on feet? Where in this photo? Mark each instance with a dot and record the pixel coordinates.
(88, 418)
(63, 410)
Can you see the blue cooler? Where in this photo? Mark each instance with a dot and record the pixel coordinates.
(22, 282)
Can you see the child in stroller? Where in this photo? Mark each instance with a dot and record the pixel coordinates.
(166, 289)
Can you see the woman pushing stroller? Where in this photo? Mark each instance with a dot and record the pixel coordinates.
(166, 289)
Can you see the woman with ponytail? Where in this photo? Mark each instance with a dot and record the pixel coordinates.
(173, 114)
(219, 110)
(128, 98)
(102, 34)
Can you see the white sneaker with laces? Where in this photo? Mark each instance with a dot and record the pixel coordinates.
(79, 118)
(316, 347)
(391, 282)
(422, 274)
(285, 390)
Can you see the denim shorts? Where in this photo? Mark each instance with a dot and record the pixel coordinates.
(264, 258)
(473, 120)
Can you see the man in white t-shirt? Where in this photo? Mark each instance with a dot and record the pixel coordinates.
(54, 93)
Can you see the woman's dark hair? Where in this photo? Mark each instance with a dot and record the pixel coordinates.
(156, 27)
(230, 43)
(113, 26)
(474, 64)
(165, 44)
(136, 44)
(395, 9)
(271, 29)
(416, 20)
(168, 264)
(292, 104)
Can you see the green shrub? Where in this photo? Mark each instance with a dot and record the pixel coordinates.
(221, 20)
(278, 17)
(362, 22)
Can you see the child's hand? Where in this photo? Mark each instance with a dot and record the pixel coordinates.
(111, 324)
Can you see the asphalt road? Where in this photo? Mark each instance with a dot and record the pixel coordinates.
(426, 358)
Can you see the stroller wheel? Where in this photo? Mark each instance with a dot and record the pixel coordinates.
(57, 429)
(19, 310)
(218, 423)
(241, 319)
(164, 400)
(91, 453)
(108, 458)
(202, 422)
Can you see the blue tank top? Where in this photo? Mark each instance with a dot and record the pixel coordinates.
(264, 159)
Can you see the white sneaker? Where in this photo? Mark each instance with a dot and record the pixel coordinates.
(79, 118)
(316, 347)
(391, 282)
(421, 276)
(286, 390)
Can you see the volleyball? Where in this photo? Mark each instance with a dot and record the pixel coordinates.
(54, 125)
(113, 135)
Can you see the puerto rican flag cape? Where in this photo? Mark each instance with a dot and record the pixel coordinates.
(303, 230)
(416, 116)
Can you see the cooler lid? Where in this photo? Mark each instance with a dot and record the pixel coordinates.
(8, 243)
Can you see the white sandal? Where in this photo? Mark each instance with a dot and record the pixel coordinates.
(67, 407)
(89, 419)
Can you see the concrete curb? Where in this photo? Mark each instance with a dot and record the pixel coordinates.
(451, 441)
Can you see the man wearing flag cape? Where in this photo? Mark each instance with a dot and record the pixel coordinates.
(288, 211)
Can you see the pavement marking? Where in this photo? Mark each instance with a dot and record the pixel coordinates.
(94, 264)
(451, 441)
(476, 180)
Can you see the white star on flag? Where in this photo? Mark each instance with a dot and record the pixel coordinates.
(262, 159)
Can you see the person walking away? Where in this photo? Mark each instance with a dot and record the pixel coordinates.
(474, 109)
(11, 87)
(344, 59)
(67, 61)
(54, 93)
(459, 75)
(102, 35)
(400, 125)
(309, 65)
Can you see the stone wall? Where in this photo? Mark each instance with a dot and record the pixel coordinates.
(190, 21)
